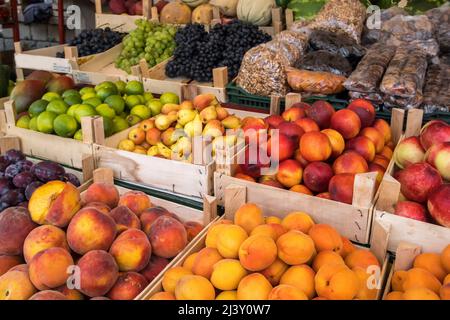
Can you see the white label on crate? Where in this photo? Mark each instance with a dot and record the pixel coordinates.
(61, 69)
(82, 78)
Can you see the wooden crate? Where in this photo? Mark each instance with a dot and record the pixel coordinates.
(236, 197)
(351, 220)
(205, 216)
(3, 119)
(429, 236)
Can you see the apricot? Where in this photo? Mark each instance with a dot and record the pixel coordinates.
(273, 219)
(364, 278)
(227, 274)
(149, 216)
(257, 252)
(336, 282)
(229, 241)
(211, 236)
(272, 230)
(325, 237)
(15, 224)
(193, 287)
(337, 142)
(299, 221)
(398, 278)
(444, 293)
(295, 247)
(420, 294)
(421, 278)
(445, 258)
(163, 296)
(91, 230)
(347, 247)
(204, 262)
(48, 295)
(98, 273)
(350, 162)
(254, 287)
(227, 295)
(154, 267)
(171, 278)
(446, 279)
(326, 257)
(54, 203)
(41, 238)
(249, 216)
(125, 219)
(168, 237)
(189, 262)
(302, 278)
(136, 201)
(361, 258)
(71, 294)
(432, 263)
(102, 192)
(394, 295)
(48, 268)
(376, 137)
(346, 122)
(286, 292)
(7, 262)
(131, 250)
(315, 146)
(274, 272)
(341, 187)
(16, 284)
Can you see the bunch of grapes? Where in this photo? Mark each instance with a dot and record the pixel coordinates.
(199, 52)
(152, 42)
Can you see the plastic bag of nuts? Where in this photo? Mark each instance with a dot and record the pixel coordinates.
(440, 17)
(436, 93)
(314, 81)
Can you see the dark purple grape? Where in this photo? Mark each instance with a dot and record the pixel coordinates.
(31, 188)
(23, 179)
(4, 163)
(47, 171)
(73, 179)
(14, 155)
(12, 170)
(13, 197)
(25, 165)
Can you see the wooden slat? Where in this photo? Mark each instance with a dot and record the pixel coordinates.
(235, 197)
(405, 255)
(291, 99)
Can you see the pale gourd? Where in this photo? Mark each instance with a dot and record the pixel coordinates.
(226, 7)
(194, 3)
(176, 13)
(203, 14)
(255, 12)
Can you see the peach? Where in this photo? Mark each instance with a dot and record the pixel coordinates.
(432, 263)
(363, 146)
(321, 112)
(336, 282)
(204, 262)
(273, 121)
(273, 219)
(286, 292)
(171, 278)
(42, 238)
(324, 195)
(289, 173)
(434, 132)
(350, 162)
(7, 262)
(150, 215)
(364, 278)
(375, 167)
(387, 152)
(90, 230)
(275, 271)
(15, 224)
(295, 247)
(193, 228)
(124, 218)
(136, 201)
(284, 146)
(100, 298)
(152, 136)
(16, 284)
(444, 293)
(227, 295)
(102, 192)
(347, 247)
(254, 287)
(48, 295)
(418, 181)
(257, 252)
(293, 113)
(315, 146)
(163, 296)
(291, 130)
(439, 205)
(227, 274)
(131, 250)
(361, 258)
(384, 128)
(154, 267)
(317, 175)
(229, 241)
(299, 188)
(299, 221)
(71, 294)
(341, 187)
(168, 237)
(188, 264)
(398, 278)
(213, 232)
(412, 210)
(192, 287)
(445, 258)
(326, 257)
(202, 101)
(249, 216)
(272, 230)
(420, 294)
(438, 155)
(394, 295)
(325, 237)
(375, 136)
(98, 273)
(336, 140)
(99, 206)
(243, 176)
(307, 124)
(128, 286)
(48, 268)
(365, 111)
(302, 278)
(346, 122)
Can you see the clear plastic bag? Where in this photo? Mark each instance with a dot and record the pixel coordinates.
(314, 81)
(368, 74)
(440, 17)
(285, 51)
(371, 36)
(299, 40)
(325, 61)
(374, 97)
(337, 43)
(436, 93)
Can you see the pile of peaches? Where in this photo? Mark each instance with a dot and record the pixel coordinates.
(98, 245)
(428, 279)
(320, 149)
(424, 175)
(266, 258)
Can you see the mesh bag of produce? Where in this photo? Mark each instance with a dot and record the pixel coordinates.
(325, 61)
(441, 20)
(346, 16)
(369, 72)
(436, 93)
(371, 36)
(262, 72)
(314, 81)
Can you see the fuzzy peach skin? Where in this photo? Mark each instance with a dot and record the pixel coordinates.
(102, 192)
(128, 286)
(15, 224)
(136, 201)
(41, 238)
(125, 219)
(168, 237)
(16, 284)
(131, 250)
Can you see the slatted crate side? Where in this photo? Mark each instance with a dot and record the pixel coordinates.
(119, 22)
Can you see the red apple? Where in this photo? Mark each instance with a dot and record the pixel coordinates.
(434, 132)
(439, 205)
(412, 210)
(438, 155)
(409, 151)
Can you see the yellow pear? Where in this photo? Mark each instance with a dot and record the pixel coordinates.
(231, 122)
(185, 116)
(167, 137)
(222, 113)
(153, 151)
(163, 122)
(126, 145)
(181, 149)
(208, 114)
(194, 128)
(213, 128)
(223, 142)
(169, 107)
(164, 151)
(187, 105)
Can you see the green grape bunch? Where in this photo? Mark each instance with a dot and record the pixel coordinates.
(150, 41)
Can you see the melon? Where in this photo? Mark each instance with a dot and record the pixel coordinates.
(203, 14)
(176, 13)
(255, 12)
(194, 3)
(226, 7)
